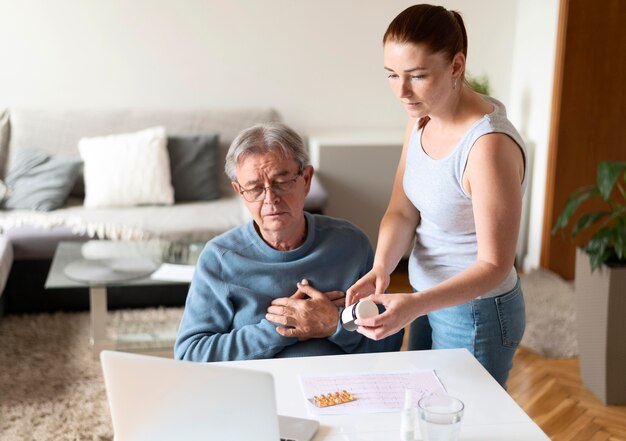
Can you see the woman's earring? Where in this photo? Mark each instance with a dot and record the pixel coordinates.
(454, 85)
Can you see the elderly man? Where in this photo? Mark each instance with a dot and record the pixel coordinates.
(275, 286)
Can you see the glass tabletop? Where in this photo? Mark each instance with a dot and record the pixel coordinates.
(117, 263)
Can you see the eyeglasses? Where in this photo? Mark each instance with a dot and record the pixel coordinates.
(279, 188)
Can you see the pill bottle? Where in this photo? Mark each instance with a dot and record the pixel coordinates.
(361, 309)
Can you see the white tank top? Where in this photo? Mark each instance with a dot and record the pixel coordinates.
(445, 239)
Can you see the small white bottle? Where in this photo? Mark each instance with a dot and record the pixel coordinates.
(361, 309)
(407, 421)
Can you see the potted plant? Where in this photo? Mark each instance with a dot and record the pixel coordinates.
(600, 284)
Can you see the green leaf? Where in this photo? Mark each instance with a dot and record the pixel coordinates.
(619, 215)
(600, 241)
(597, 252)
(620, 242)
(621, 189)
(603, 246)
(588, 219)
(572, 204)
(608, 243)
(608, 173)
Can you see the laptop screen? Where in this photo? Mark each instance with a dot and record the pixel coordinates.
(154, 398)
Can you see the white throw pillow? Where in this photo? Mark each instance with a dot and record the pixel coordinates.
(127, 169)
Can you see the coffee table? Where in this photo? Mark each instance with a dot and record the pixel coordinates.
(100, 264)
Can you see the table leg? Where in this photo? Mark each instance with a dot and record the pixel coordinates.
(98, 311)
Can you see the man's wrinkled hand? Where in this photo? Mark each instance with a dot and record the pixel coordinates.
(308, 313)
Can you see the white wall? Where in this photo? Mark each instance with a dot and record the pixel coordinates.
(531, 102)
(319, 62)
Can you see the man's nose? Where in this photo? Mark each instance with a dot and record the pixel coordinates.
(270, 196)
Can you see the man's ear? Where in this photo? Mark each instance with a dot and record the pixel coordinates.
(307, 174)
(235, 186)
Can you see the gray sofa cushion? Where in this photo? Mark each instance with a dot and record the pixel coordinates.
(39, 181)
(194, 167)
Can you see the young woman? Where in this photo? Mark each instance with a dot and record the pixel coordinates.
(457, 197)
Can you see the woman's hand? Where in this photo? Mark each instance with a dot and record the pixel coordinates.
(374, 282)
(400, 310)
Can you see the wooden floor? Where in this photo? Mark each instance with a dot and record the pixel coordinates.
(551, 393)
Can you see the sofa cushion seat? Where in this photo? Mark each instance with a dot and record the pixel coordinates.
(194, 221)
(32, 243)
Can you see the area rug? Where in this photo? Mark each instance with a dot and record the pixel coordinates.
(550, 315)
(51, 386)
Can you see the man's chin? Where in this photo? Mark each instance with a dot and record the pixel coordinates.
(274, 222)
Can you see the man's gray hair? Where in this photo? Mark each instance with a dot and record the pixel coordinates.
(265, 138)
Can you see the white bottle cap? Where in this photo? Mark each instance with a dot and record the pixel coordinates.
(361, 309)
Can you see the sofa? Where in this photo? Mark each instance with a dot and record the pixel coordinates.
(62, 140)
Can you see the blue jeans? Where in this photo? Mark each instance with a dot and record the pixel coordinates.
(489, 328)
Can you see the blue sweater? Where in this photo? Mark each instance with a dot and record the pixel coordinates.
(237, 277)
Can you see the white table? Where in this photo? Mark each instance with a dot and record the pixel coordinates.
(490, 413)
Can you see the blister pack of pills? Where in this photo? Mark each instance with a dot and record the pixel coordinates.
(332, 398)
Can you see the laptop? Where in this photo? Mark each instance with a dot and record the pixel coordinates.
(158, 399)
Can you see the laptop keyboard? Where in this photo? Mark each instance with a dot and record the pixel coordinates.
(287, 439)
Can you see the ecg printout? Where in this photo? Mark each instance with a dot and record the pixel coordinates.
(373, 392)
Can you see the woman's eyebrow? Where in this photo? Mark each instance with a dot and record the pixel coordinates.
(413, 69)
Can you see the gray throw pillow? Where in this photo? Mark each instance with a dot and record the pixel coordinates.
(39, 181)
(194, 167)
